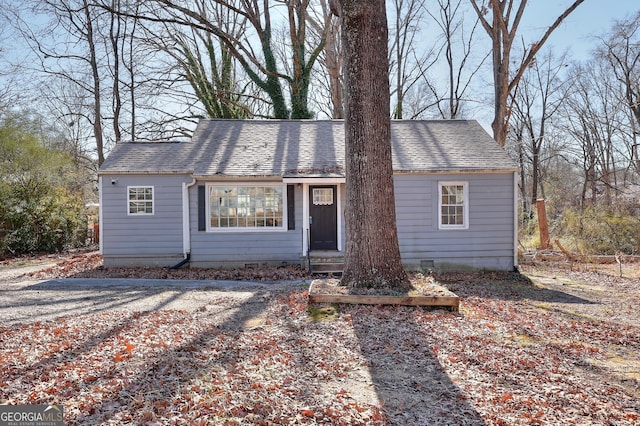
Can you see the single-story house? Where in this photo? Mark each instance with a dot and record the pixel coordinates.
(270, 192)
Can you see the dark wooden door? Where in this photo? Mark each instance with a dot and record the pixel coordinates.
(323, 217)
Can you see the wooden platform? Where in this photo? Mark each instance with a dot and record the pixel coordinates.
(319, 292)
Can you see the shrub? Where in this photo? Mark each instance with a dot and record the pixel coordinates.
(601, 230)
(38, 210)
(44, 222)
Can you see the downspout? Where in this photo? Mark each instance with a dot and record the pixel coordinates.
(100, 219)
(186, 228)
(516, 219)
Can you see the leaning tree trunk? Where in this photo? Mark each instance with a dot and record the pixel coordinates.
(372, 251)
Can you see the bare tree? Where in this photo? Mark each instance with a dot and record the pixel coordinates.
(457, 47)
(593, 116)
(622, 51)
(261, 67)
(406, 64)
(206, 63)
(95, 74)
(66, 105)
(328, 77)
(502, 28)
(535, 102)
(79, 48)
(76, 20)
(5, 68)
(372, 251)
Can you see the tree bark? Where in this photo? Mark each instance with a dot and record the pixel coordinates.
(114, 37)
(95, 74)
(372, 252)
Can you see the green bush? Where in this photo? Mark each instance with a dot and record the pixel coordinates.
(38, 211)
(45, 221)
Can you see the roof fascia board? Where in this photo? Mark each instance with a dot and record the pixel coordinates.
(217, 178)
(454, 171)
(144, 172)
(318, 179)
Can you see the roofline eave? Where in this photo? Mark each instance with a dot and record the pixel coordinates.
(144, 172)
(456, 171)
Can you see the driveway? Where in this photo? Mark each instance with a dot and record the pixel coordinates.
(24, 300)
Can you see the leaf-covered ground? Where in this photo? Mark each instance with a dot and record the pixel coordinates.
(560, 348)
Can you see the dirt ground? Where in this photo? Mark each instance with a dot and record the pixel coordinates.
(42, 288)
(557, 344)
(608, 291)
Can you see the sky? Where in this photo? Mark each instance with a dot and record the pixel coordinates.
(577, 33)
(592, 18)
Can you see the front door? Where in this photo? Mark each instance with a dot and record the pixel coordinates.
(323, 217)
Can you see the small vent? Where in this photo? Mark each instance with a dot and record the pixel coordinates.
(427, 264)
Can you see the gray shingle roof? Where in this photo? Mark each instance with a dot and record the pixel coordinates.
(308, 148)
(148, 157)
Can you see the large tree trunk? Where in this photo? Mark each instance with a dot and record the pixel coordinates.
(372, 251)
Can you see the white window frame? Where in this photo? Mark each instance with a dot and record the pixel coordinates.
(153, 200)
(282, 228)
(465, 211)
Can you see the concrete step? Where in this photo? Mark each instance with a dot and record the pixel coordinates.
(327, 268)
(326, 263)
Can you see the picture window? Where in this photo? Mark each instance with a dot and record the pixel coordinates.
(247, 207)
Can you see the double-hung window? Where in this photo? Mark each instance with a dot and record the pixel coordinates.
(140, 200)
(246, 207)
(453, 205)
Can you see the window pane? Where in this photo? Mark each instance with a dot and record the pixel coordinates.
(246, 207)
(140, 200)
(452, 206)
(322, 196)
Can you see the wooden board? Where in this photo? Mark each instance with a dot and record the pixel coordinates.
(452, 302)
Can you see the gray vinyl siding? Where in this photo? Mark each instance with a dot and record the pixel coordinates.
(488, 243)
(157, 240)
(151, 240)
(239, 249)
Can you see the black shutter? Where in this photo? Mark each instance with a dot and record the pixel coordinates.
(202, 209)
(291, 207)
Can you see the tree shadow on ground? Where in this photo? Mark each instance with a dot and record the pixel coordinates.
(505, 286)
(214, 367)
(411, 384)
(208, 376)
(181, 375)
(124, 391)
(51, 299)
